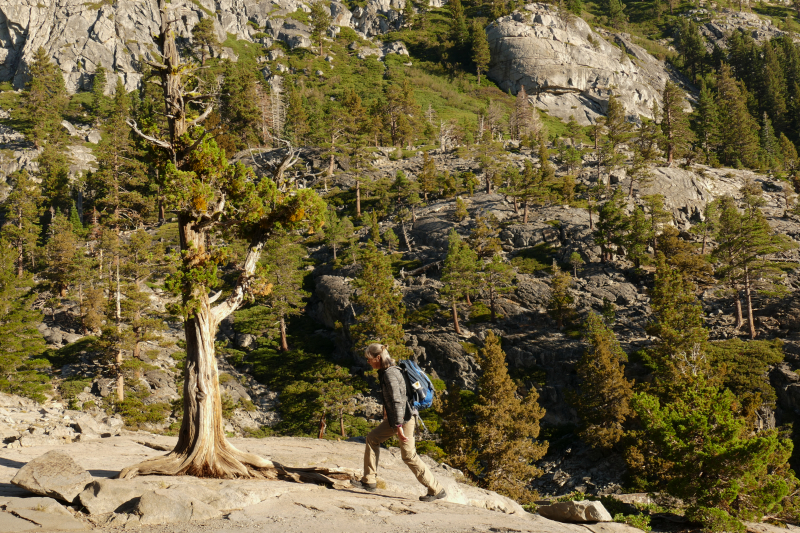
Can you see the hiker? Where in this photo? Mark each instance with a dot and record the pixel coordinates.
(398, 420)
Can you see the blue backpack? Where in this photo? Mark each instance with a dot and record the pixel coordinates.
(419, 388)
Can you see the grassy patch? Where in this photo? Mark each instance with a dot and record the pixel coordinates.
(70, 354)
(536, 258)
(424, 315)
(398, 262)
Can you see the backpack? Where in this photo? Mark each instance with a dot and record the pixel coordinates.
(419, 388)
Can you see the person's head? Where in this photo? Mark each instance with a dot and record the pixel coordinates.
(378, 356)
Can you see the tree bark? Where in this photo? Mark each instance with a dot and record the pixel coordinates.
(322, 426)
(455, 318)
(330, 172)
(358, 198)
(525, 213)
(491, 306)
(120, 377)
(405, 236)
(739, 319)
(516, 206)
(341, 422)
(334, 251)
(284, 344)
(750, 321)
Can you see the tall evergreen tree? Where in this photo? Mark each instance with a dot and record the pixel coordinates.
(204, 38)
(480, 48)
(674, 123)
(770, 149)
(745, 240)
(337, 231)
(562, 304)
(612, 226)
(706, 122)
(45, 99)
(677, 356)
(603, 403)
(20, 341)
(618, 131)
(639, 236)
(383, 313)
(738, 131)
(99, 103)
(459, 274)
(21, 212)
(497, 279)
(282, 281)
(504, 436)
(320, 22)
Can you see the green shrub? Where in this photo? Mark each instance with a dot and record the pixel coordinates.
(640, 521)
(135, 413)
(70, 388)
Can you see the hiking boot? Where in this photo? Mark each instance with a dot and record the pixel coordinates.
(433, 497)
(369, 487)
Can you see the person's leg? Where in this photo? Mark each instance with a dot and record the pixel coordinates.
(408, 450)
(372, 451)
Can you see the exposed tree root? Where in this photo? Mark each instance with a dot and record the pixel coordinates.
(234, 464)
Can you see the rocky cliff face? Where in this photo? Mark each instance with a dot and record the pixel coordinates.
(81, 35)
(568, 69)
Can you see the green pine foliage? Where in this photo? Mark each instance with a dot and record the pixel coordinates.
(504, 436)
(45, 99)
(744, 476)
(603, 402)
(562, 304)
(21, 343)
(382, 313)
(459, 274)
(612, 226)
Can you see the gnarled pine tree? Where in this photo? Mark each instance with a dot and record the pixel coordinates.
(208, 194)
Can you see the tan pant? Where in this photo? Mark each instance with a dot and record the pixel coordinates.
(408, 451)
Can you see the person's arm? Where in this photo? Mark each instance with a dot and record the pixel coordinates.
(400, 435)
(395, 399)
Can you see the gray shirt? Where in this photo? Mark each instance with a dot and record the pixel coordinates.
(393, 385)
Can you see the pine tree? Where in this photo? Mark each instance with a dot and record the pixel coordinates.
(738, 131)
(645, 148)
(498, 278)
(562, 304)
(239, 105)
(618, 131)
(204, 38)
(677, 356)
(60, 252)
(461, 212)
(504, 436)
(484, 238)
(20, 342)
(706, 122)
(674, 123)
(391, 240)
(333, 397)
(455, 433)
(788, 154)
(297, 126)
(459, 274)
(576, 261)
(770, 150)
(54, 175)
(639, 236)
(320, 22)
(459, 33)
(480, 49)
(427, 176)
(383, 313)
(744, 241)
(707, 227)
(21, 212)
(99, 103)
(603, 403)
(282, 281)
(711, 460)
(656, 215)
(612, 226)
(45, 99)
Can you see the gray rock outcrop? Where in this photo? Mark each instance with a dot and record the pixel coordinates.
(577, 511)
(568, 69)
(54, 475)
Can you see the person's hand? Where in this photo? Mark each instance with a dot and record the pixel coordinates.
(401, 435)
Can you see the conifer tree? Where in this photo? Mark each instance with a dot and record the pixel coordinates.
(683, 256)
(706, 122)
(674, 123)
(20, 342)
(770, 150)
(678, 324)
(21, 212)
(480, 48)
(99, 104)
(603, 403)
(656, 215)
(711, 460)
(45, 99)
(334, 396)
(456, 435)
(459, 274)
(744, 242)
(204, 38)
(504, 436)
(54, 175)
(427, 176)
(484, 238)
(788, 154)
(320, 22)
(562, 304)
(459, 33)
(383, 313)
(497, 279)
(461, 210)
(738, 131)
(297, 126)
(707, 227)
(282, 281)
(576, 261)
(60, 253)
(618, 131)
(337, 231)
(645, 145)
(612, 226)
(639, 237)
(239, 105)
